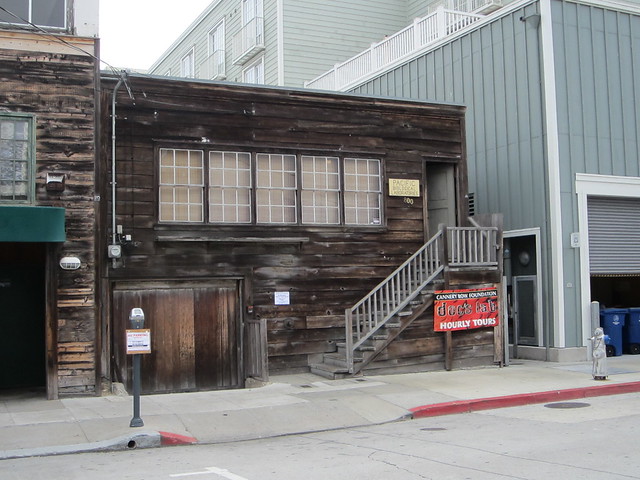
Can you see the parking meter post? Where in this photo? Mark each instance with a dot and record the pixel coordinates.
(136, 319)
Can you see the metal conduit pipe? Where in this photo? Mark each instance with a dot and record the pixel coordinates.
(122, 80)
(113, 158)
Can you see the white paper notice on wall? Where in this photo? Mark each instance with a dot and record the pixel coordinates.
(281, 298)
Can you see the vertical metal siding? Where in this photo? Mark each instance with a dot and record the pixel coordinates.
(495, 72)
(598, 80)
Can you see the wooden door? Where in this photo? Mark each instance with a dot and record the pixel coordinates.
(195, 335)
(441, 197)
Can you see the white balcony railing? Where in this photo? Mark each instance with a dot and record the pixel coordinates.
(249, 41)
(422, 33)
(214, 67)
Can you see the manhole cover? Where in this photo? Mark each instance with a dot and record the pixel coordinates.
(567, 405)
(433, 429)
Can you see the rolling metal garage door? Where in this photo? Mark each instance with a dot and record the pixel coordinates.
(614, 235)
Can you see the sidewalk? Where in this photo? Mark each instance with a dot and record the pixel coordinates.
(292, 404)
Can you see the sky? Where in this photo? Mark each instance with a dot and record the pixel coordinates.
(134, 33)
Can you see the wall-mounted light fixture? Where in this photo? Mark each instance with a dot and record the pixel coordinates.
(70, 263)
(55, 182)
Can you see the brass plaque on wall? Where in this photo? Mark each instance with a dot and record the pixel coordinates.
(400, 187)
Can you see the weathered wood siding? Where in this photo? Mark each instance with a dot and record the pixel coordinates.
(59, 89)
(324, 268)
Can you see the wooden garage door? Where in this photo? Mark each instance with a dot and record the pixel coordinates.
(195, 335)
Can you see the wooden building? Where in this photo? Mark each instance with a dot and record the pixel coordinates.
(248, 219)
(48, 115)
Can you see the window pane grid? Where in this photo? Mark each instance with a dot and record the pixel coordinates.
(363, 191)
(15, 159)
(181, 185)
(230, 187)
(320, 190)
(332, 190)
(276, 185)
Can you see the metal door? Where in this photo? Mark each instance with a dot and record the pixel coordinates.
(525, 311)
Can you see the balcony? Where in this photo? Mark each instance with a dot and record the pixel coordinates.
(421, 34)
(249, 41)
(214, 67)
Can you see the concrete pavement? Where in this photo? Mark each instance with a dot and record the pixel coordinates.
(291, 404)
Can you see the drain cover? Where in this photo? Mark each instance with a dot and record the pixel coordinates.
(567, 405)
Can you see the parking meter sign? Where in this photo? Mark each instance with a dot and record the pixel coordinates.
(138, 341)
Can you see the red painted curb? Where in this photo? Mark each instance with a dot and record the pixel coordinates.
(167, 438)
(466, 406)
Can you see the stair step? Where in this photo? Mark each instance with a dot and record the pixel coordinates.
(335, 359)
(328, 371)
(404, 313)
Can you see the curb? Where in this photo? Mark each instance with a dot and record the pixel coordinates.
(127, 442)
(468, 406)
(168, 438)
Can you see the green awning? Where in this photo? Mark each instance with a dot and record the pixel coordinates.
(31, 224)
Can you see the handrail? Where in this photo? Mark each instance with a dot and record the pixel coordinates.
(421, 33)
(472, 246)
(391, 295)
(465, 247)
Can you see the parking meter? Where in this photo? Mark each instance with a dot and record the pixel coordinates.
(136, 318)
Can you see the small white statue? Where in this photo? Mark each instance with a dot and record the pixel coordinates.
(599, 353)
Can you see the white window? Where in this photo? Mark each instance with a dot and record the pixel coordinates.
(230, 187)
(254, 73)
(259, 188)
(362, 191)
(217, 51)
(276, 185)
(16, 159)
(187, 65)
(320, 198)
(44, 13)
(251, 10)
(181, 185)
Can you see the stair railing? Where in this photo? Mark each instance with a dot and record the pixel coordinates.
(460, 246)
(391, 295)
(472, 246)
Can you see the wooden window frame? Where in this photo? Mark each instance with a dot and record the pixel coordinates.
(374, 214)
(29, 162)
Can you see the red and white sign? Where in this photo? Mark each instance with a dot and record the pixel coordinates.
(138, 341)
(465, 309)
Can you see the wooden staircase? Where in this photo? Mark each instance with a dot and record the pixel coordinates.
(373, 323)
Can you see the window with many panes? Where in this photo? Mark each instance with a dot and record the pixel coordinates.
(16, 159)
(181, 185)
(268, 188)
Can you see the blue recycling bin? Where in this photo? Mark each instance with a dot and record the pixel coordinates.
(631, 332)
(612, 320)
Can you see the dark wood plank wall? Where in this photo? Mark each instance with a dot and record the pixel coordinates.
(325, 269)
(60, 90)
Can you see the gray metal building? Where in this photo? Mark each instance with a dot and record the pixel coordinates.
(553, 95)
